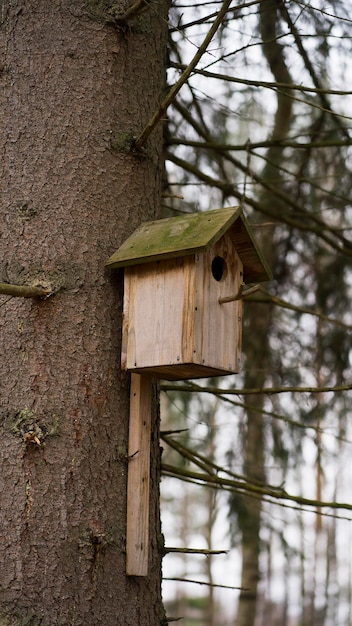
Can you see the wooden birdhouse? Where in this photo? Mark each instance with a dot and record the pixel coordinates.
(182, 314)
(182, 318)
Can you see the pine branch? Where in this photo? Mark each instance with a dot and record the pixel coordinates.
(193, 456)
(244, 405)
(203, 463)
(269, 185)
(250, 148)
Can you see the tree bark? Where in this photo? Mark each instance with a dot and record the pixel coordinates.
(73, 91)
(257, 351)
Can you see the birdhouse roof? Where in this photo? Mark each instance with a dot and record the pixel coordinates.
(189, 234)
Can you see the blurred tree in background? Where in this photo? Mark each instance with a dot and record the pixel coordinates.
(264, 122)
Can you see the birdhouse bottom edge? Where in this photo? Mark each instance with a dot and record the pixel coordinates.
(182, 371)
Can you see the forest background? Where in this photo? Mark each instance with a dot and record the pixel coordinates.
(264, 122)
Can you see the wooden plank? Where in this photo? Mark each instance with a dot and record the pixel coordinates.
(137, 536)
(158, 314)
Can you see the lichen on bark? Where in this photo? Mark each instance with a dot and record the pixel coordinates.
(106, 11)
(28, 426)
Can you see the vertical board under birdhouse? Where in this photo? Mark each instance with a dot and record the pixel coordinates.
(174, 326)
(137, 533)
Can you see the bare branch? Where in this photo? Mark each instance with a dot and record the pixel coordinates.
(323, 97)
(200, 582)
(23, 291)
(132, 11)
(310, 223)
(142, 138)
(193, 551)
(299, 309)
(261, 83)
(244, 487)
(265, 390)
(285, 143)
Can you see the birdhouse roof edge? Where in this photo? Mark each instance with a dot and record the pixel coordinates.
(190, 234)
(174, 237)
(255, 267)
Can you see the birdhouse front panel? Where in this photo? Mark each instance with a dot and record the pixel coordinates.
(158, 317)
(174, 326)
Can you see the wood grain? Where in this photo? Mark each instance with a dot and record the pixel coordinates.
(137, 536)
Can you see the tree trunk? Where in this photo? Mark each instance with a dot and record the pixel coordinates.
(73, 91)
(259, 322)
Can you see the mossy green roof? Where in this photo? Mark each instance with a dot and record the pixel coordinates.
(189, 234)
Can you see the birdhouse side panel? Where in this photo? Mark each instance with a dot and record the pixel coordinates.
(219, 329)
(158, 315)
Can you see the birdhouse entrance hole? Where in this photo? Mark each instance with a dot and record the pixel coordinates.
(219, 268)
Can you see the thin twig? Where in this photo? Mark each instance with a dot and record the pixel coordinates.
(266, 499)
(140, 141)
(200, 582)
(6, 301)
(299, 309)
(190, 387)
(194, 551)
(320, 230)
(266, 84)
(279, 143)
(250, 488)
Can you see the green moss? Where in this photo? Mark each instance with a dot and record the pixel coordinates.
(105, 10)
(27, 211)
(31, 428)
(122, 142)
(121, 455)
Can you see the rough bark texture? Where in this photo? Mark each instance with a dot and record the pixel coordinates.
(73, 89)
